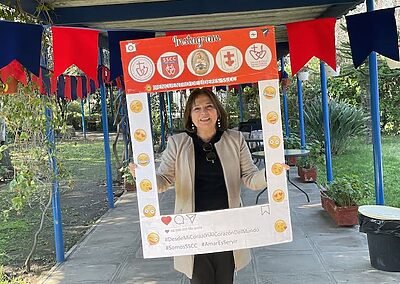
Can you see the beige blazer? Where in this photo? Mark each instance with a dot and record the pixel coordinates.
(178, 166)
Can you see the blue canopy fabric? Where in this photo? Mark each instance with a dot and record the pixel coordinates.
(22, 42)
(373, 31)
(114, 37)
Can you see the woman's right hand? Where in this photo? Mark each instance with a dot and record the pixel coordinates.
(132, 169)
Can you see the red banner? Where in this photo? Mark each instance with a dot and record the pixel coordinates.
(199, 60)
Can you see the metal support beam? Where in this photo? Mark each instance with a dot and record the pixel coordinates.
(301, 114)
(56, 204)
(376, 123)
(327, 130)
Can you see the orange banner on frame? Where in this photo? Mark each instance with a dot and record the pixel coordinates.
(199, 60)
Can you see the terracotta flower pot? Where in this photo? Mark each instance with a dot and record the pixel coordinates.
(307, 175)
(291, 161)
(342, 216)
(129, 186)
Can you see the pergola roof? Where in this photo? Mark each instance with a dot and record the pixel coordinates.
(165, 15)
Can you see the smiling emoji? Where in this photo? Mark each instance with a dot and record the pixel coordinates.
(272, 117)
(136, 106)
(280, 226)
(153, 238)
(145, 185)
(149, 211)
(143, 159)
(269, 92)
(140, 135)
(278, 195)
(277, 169)
(274, 142)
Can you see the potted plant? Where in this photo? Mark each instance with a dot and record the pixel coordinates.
(129, 181)
(342, 197)
(307, 166)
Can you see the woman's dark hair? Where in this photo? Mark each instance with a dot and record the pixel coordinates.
(187, 118)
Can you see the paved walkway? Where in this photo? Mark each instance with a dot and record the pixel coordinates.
(320, 253)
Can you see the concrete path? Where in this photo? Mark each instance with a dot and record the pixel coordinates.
(320, 253)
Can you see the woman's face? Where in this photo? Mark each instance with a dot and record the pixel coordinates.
(204, 114)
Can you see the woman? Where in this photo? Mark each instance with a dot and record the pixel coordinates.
(208, 163)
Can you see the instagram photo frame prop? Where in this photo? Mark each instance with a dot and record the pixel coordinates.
(204, 60)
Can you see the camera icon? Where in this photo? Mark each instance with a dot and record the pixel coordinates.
(253, 34)
(130, 47)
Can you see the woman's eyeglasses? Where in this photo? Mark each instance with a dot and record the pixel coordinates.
(210, 154)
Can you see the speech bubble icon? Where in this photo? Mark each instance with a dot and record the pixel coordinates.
(179, 220)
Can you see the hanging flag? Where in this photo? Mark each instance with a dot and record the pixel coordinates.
(74, 87)
(60, 87)
(114, 37)
(373, 31)
(14, 70)
(22, 42)
(75, 46)
(79, 87)
(92, 86)
(393, 64)
(38, 82)
(119, 83)
(105, 74)
(67, 88)
(312, 38)
(53, 83)
(84, 87)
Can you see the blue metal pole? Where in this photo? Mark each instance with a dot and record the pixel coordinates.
(88, 101)
(376, 123)
(285, 104)
(241, 116)
(161, 107)
(327, 131)
(107, 154)
(83, 118)
(301, 114)
(56, 204)
(124, 124)
(171, 123)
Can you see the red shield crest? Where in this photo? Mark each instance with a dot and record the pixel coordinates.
(170, 66)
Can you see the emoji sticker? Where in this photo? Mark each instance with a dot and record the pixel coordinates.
(136, 106)
(140, 135)
(149, 211)
(274, 142)
(278, 195)
(272, 117)
(280, 226)
(153, 238)
(143, 159)
(277, 169)
(269, 92)
(145, 185)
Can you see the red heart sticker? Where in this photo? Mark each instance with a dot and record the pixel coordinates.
(166, 220)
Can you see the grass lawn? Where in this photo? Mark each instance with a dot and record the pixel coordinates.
(358, 160)
(81, 207)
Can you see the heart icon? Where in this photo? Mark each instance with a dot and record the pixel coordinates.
(166, 220)
(167, 231)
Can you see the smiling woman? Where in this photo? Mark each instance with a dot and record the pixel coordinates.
(208, 163)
